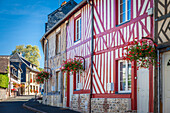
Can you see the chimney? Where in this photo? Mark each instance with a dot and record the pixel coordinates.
(20, 53)
(63, 3)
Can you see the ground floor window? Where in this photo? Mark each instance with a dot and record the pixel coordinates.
(124, 76)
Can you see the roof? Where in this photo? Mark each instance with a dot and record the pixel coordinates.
(59, 13)
(69, 14)
(18, 58)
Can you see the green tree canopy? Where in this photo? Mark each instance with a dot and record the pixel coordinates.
(29, 52)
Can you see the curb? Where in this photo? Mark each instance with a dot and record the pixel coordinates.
(32, 109)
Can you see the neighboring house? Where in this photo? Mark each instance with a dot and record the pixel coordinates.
(162, 74)
(54, 47)
(4, 70)
(27, 78)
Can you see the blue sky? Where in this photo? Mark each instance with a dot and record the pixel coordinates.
(22, 22)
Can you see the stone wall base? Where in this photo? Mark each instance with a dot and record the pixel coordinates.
(80, 102)
(3, 94)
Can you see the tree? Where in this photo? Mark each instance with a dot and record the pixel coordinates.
(29, 52)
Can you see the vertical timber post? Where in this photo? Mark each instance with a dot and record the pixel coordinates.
(92, 49)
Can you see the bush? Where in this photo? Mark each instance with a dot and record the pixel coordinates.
(4, 81)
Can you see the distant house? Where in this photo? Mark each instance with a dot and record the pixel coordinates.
(4, 64)
(27, 78)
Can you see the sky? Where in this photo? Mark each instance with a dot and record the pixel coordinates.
(22, 22)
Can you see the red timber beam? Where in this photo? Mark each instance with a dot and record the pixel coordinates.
(134, 87)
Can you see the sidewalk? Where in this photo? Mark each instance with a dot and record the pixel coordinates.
(41, 108)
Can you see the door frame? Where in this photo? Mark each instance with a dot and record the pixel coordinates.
(163, 73)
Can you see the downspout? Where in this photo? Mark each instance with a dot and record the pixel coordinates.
(158, 81)
(92, 49)
(46, 53)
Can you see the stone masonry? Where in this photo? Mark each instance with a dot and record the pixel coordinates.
(80, 102)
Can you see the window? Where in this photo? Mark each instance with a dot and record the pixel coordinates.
(58, 43)
(124, 10)
(78, 29)
(124, 77)
(57, 74)
(78, 84)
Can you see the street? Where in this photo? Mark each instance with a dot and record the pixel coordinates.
(14, 105)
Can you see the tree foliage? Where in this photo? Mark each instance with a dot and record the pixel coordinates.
(4, 80)
(29, 52)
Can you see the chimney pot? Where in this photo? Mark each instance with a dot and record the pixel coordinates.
(63, 3)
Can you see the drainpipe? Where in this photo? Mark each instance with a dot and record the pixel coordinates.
(46, 53)
(158, 81)
(92, 49)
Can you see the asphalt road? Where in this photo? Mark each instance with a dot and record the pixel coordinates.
(14, 105)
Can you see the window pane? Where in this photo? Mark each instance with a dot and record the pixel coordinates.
(122, 8)
(80, 29)
(122, 86)
(77, 30)
(129, 76)
(129, 15)
(122, 17)
(129, 5)
(129, 85)
(122, 1)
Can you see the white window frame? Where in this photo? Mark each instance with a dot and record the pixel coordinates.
(126, 88)
(58, 45)
(77, 74)
(79, 37)
(126, 11)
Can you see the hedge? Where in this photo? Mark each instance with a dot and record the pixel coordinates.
(4, 81)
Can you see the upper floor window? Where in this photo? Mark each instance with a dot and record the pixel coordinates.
(124, 76)
(77, 29)
(57, 83)
(58, 38)
(124, 10)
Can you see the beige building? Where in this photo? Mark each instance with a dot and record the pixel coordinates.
(54, 47)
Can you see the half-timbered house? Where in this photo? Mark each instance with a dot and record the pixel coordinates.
(117, 86)
(162, 37)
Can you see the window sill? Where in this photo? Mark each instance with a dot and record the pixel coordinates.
(122, 23)
(122, 92)
(81, 91)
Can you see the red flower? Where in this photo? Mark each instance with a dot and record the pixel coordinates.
(142, 49)
(137, 47)
(140, 53)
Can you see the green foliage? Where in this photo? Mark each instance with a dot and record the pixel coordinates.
(40, 69)
(29, 52)
(4, 80)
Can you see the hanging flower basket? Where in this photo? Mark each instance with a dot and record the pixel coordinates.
(141, 51)
(72, 65)
(41, 76)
